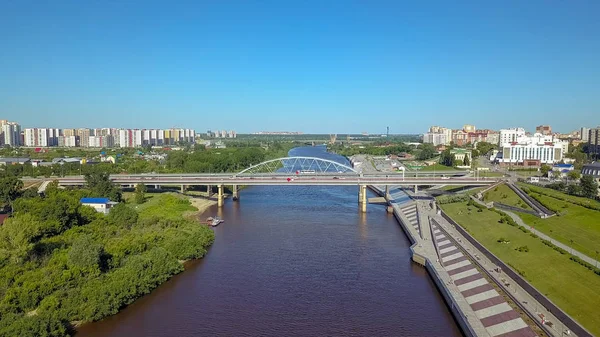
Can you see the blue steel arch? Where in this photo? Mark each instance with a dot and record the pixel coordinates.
(287, 165)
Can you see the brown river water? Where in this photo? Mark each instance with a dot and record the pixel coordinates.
(293, 261)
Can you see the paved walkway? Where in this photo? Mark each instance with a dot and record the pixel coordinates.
(531, 305)
(570, 249)
(496, 315)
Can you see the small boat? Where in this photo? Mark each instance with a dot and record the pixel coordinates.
(214, 222)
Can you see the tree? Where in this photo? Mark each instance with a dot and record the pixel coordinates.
(10, 188)
(427, 151)
(100, 186)
(140, 193)
(589, 186)
(447, 158)
(574, 175)
(466, 161)
(86, 254)
(544, 169)
(574, 189)
(485, 147)
(123, 216)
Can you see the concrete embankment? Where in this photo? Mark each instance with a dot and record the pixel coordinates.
(423, 253)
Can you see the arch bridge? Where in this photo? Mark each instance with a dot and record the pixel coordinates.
(300, 165)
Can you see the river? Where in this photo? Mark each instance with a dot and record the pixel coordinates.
(293, 261)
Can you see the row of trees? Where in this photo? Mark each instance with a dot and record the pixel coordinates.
(62, 262)
(586, 187)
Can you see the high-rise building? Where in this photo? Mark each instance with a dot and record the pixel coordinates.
(532, 150)
(594, 142)
(585, 134)
(438, 136)
(84, 136)
(12, 134)
(543, 129)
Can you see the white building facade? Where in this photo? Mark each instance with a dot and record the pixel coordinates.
(534, 150)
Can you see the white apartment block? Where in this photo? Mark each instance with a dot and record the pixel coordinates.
(12, 133)
(510, 135)
(438, 135)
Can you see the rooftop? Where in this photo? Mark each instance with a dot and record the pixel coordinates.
(94, 200)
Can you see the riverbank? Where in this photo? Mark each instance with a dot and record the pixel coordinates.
(77, 265)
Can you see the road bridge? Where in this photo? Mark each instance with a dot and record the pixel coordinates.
(290, 171)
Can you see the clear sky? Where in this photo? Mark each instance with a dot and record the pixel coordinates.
(311, 66)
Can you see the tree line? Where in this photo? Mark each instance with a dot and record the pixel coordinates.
(62, 262)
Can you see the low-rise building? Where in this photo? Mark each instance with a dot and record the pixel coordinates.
(14, 161)
(560, 170)
(101, 205)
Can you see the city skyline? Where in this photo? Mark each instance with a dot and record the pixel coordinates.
(344, 67)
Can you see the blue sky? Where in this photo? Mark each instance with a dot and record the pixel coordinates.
(311, 66)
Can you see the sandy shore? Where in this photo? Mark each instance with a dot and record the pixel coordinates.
(201, 203)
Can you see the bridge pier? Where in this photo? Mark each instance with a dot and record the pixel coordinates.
(183, 188)
(416, 189)
(363, 193)
(220, 196)
(208, 190)
(236, 193)
(387, 192)
(157, 187)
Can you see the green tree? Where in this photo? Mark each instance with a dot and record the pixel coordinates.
(100, 185)
(544, 169)
(17, 236)
(466, 161)
(86, 254)
(10, 189)
(140, 193)
(589, 186)
(427, 151)
(574, 175)
(123, 216)
(574, 189)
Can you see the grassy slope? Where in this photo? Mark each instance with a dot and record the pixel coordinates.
(505, 195)
(571, 286)
(438, 167)
(577, 223)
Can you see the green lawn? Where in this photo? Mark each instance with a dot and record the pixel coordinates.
(577, 226)
(505, 195)
(166, 204)
(527, 174)
(569, 285)
(438, 167)
(490, 174)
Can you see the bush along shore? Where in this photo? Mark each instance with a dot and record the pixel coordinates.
(63, 264)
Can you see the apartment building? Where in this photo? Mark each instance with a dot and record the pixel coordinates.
(543, 129)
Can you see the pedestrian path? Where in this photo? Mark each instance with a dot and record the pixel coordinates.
(543, 236)
(497, 316)
(411, 214)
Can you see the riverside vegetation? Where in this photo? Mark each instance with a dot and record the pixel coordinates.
(63, 264)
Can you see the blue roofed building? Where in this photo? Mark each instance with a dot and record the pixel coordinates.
(101, 205)
(560, 170)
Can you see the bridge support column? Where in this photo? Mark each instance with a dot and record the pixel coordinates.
(387, 192)
(157, 187)
(236, 193)
(363, 204)
(359, 194)
(416, 189)
(183, 188)
(220, 196)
